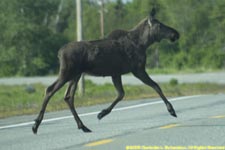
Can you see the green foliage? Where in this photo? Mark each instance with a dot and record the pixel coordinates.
(27, 99)
(29, 44)
(33, 31)
(200, 35)
(173, 82)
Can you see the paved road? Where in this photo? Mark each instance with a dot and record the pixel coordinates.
(142, 123)
(215, 77)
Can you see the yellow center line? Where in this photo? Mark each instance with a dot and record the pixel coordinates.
(169, 126)
(218, 117)
(100, 142)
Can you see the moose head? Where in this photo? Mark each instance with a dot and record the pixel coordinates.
(159, 31)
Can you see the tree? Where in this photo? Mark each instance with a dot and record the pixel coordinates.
(33, 31)
(29, 38)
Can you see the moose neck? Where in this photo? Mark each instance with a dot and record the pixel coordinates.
(140, 35)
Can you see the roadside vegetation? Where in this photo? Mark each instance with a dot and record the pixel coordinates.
(27, 99)
(35, 30)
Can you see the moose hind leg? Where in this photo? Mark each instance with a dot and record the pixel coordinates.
(69, 99)
(143, 76)
(119, 87)
(48, 94)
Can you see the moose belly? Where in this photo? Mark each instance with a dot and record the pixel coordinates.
(107, 68)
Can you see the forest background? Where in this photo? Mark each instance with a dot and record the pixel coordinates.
(32, 32)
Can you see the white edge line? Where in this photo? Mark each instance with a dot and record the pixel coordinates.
(96, 112)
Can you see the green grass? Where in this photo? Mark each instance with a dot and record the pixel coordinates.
(15, 100)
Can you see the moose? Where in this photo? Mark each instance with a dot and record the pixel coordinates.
(120, 53)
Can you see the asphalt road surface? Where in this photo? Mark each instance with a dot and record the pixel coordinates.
(141, 124)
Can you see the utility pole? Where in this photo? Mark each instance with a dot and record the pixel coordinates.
(79, 38)
(102, 17)
(57, 16)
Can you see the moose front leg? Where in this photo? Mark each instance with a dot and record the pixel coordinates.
(143, 76)
(119, 87)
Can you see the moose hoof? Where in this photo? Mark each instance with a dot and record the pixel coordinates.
(103, 113)
(173, 113)
(34, 128)
(85, 129)
(171, 110)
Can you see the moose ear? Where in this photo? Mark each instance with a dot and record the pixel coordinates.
(151, 16)
(152, 13)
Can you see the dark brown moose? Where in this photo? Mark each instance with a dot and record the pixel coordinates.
(120, 53)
